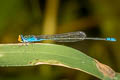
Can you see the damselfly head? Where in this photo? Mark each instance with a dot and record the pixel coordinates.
(20, 38)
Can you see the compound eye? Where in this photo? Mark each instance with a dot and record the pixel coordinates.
(20, 38)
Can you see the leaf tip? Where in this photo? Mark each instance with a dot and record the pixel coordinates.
(106, 70)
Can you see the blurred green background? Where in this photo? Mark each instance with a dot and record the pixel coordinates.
(97, 18)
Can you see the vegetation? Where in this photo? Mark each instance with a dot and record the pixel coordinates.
(96, 18)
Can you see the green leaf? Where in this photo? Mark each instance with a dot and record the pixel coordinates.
(36, 54)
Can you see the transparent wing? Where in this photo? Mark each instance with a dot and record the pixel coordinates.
(65, 37)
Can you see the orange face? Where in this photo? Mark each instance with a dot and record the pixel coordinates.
(19, 38)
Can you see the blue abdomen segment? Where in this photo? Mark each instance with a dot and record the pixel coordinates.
(111, 39)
